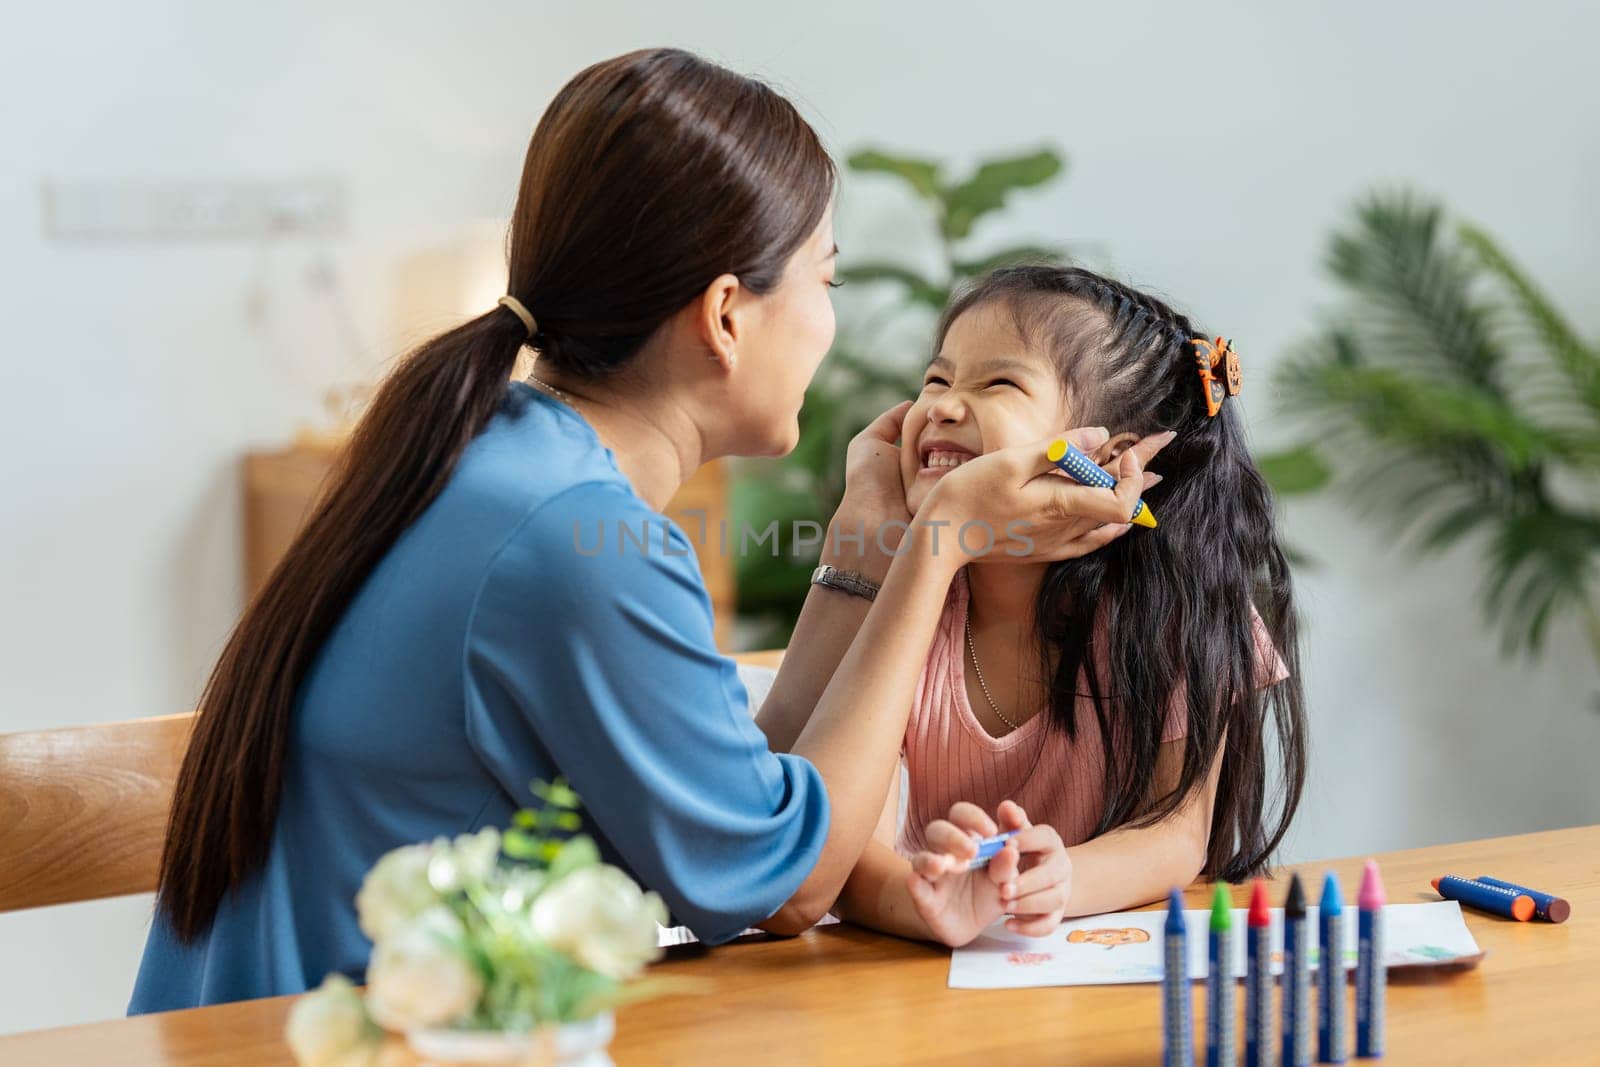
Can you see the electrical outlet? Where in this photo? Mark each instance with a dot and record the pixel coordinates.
(215, 210)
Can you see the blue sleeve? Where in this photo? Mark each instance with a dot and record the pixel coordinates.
(598, 656)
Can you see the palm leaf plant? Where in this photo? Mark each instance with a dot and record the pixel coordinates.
(1458, 405)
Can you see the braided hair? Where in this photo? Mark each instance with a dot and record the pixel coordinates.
(1175, 605)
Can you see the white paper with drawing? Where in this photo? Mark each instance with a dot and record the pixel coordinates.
(1126, 947)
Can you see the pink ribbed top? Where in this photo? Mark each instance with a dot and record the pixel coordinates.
(950, 756)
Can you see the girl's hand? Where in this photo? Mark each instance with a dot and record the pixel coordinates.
(1031, 875)
(1018, 509)
(1034, 878)
(874, 495)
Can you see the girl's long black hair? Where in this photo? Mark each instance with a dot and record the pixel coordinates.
(1173, 604)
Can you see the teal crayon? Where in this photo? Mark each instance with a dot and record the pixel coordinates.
(1331, 1040)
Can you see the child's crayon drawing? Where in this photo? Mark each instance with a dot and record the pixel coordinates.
(1109, 936)
(1028, 959)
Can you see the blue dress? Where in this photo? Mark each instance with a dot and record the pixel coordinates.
(518, 630)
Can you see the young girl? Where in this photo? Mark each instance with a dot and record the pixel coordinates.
(1113, 708)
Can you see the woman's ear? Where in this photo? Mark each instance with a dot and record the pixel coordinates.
(721, 319)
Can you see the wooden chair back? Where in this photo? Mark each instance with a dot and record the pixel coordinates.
(83, 810)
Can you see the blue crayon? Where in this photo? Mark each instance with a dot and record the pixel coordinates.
(989, 848)
(1372, 975)
(1296, 979)
(1177, 1031)
(1083, 470)
(1221, 1039)
(1258, 980)
(1546, 906)
(1331, 1047)
(1496, 900)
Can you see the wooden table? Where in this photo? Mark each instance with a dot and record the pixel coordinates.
(841, 995)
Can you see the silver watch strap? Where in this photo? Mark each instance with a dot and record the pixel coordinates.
(845, 581)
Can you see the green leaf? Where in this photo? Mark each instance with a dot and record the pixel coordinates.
(990, 185)
(1295, 470)
(520, 846)
(575, 852)
(1579, 362)
(557, 794)
(921, 174)
(918, 289)
(972, 268)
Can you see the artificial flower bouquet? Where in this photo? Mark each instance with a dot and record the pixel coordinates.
(493, 947)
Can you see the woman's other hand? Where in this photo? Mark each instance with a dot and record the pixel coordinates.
(872, 517)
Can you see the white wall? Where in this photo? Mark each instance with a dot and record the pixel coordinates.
(1211, 150)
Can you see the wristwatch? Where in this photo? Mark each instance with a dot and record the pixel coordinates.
(845, 581)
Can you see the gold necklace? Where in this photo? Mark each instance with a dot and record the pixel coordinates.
(973, 648)
(552, 390)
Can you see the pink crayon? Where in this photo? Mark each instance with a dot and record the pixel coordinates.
(1371, 975)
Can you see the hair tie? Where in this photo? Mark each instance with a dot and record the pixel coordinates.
(1210, 355)
(522, 313)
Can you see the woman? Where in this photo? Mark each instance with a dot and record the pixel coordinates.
(445, 630)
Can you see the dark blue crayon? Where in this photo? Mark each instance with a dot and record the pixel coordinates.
(1552, 909)
(1177, 1031)
(1296, 979)
(1331, 1047)
(1372, 974)
(1494, 899)
(1258, 1047)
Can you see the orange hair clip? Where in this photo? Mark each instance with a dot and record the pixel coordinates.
(1210, 355)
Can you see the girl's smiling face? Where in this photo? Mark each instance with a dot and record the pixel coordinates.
(986, 389)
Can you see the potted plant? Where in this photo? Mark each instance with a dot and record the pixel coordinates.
(493, 948)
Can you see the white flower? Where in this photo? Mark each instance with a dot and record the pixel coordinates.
(395, 891)
(469, 859)
(598, 916)
(330, 1028)
(420, 977)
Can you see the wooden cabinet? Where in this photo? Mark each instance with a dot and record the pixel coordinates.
(279, 487)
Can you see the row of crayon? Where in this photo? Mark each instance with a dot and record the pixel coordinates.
(1294, 1046)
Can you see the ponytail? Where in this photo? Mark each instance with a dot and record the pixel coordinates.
(400, 457)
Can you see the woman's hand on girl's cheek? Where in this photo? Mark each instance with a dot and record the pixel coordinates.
(874, 498)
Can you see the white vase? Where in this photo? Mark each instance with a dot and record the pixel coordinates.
(580, 1044)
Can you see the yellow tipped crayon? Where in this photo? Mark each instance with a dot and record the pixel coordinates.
(1083, 470)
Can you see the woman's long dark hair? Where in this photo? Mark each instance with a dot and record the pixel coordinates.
(649, 176)
(1174, 604)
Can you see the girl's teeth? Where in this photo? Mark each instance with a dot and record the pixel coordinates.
(945, 459)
